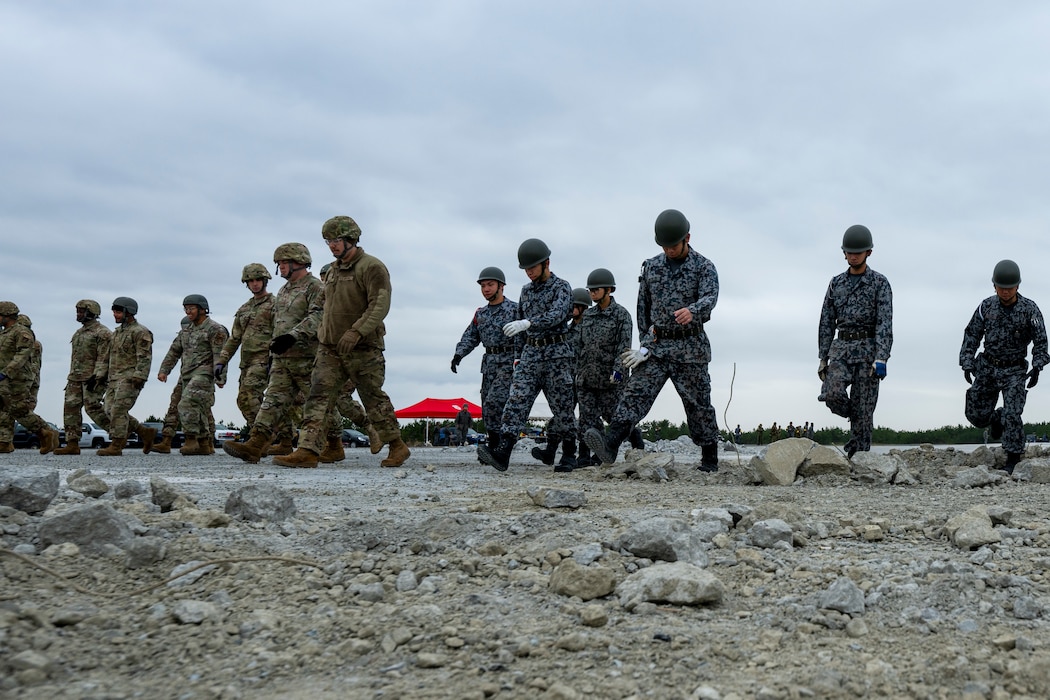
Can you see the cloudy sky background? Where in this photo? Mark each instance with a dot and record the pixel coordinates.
(153, 149)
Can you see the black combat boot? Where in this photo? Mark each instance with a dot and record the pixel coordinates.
(708, 458)
(546, 453)
(636, 439)
(498, 457)
(568, 455)
(606, 447)
(584, 458)
(995, 428)
(1012, 460)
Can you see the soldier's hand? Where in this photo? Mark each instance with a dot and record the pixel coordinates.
(218, 370)
(91, 383)
(514, 327)
(878, 369)
(633, 358)
(1033, 377)
(968, 376)
(162, 377)
(282, 344)
(822, 370)
(456, 359)
(348, 342)
(137, 383)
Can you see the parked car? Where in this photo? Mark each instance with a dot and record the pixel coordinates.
(224, 433)
(24, 438)
(354, 438)
(176, 441)
(93, 436)
(475, 438)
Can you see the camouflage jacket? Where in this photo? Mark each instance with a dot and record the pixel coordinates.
(863, 304)
(486, 328)
(546, 305)
(666, 286)
(356, 297)
(604, 334)
(130, 352)
(18, 353)
(1006, 331)
(297, 310)
(197, 346)
(252, 332)
(90, 352)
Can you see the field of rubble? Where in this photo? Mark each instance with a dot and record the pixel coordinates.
(789, 573)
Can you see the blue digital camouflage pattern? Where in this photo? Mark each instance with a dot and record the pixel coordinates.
(603, 335)
(497, 368)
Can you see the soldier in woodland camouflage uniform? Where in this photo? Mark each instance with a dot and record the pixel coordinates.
(297, 305)
(1007, 323)
(130, 357)
(546, 361)
(677, 292)
(88, 372)
(19, 370)
(355, 303)
(198, 348)
(497, 366)
(854, 339)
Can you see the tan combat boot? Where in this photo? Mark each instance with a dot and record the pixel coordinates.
(397, 455)
(193, 447)
(163, 447)
(209, 445)
(333, 451)
(72, 446)
(147, 435)
(375, 443)
(48, 440)
(115, 448)
(284, 447)
(300, 459)
(250, 451)
(6, 447)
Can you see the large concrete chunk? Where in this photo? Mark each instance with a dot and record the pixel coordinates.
(90, 527)
(678, 583)
(29, 490)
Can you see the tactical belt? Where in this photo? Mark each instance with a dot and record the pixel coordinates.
(497, 349)
(1004, 364)
(543, 342)
(856, 335)
(677, 333)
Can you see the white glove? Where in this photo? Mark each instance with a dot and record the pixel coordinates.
(514, 327)
(633, 358)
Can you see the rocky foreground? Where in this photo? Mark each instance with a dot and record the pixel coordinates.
(790, 573)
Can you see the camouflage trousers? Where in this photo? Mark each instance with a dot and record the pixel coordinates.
(554, 378)
(78, 399)
(858, 403)
(596, 405)
(693, 384)
(198, 396)
(171, 418)
(367, 370)
(347, 407)
(495, 388)
(120, 397)
(16, 404)
(289, 381)
(251, 387)
(983, 394)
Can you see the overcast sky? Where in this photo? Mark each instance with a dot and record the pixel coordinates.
(153, 149)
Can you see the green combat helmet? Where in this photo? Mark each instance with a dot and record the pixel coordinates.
(671, 227)
(492, 273)
(91, 306)
(581, 297)
(125, 304)
(197, 300)
(600, 278)
(296, 252)
(532, 252)
(255, 271)
(1006, 274)
(856, 239)
(341, 227)
(8, 308)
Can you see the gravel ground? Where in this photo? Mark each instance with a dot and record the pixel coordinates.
(435, 580)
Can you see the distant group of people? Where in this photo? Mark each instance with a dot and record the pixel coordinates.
(775, 432)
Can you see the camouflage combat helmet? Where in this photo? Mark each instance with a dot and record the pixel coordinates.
(492, 273)
(325, 268)
(197, 300)
(671, 227)
(856, 239)
(126, 304)
(532, 252)
(91, 306)
(8, 308)
(581, 297)
(341, 227)
(1006, 274)
(185, 322)
(600, 278)
(255, 271)
(296, 252)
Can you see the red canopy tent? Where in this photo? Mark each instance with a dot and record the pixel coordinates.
(438, 408)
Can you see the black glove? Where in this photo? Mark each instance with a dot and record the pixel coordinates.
(91, 383)
(137, 383)
(218, 370)
(282, 344)
(456, 359)
(968, 376)
(1033, 377)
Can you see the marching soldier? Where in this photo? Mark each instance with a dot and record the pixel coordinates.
(19, 370)
(88, 372)
(130, 357)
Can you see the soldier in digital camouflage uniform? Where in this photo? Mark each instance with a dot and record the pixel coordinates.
(677, 292)
(546, 360)
(88, 372)
(130, 357)
(297, 305)
(497, 366)
(19, 370)
(1007, 323)
(854, 339)
(355, 302)
(197, 347)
